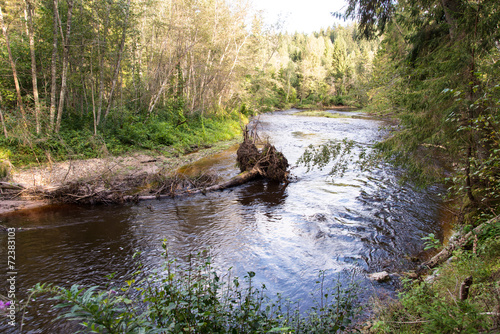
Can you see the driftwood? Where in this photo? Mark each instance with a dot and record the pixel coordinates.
(235, 181)
(268, 163)
(447, 252)
(11, 186)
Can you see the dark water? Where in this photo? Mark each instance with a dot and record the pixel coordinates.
(362, 221)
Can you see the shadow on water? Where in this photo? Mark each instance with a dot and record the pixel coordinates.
(267, 193)
(362, 222)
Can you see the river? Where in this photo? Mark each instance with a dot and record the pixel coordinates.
(363, 222)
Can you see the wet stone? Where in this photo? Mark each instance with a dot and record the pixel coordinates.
(380, 277)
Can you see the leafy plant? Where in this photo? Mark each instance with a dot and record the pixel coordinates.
(431, 242)
(194, 298)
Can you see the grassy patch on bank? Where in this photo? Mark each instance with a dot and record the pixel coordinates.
(170, 136)
(320, 113)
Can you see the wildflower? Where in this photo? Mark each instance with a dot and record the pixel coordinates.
(4, 305)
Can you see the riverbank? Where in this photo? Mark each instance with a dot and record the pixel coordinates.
(112, 169)
(461, 295)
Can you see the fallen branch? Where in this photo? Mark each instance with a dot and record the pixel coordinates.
(268, 163)
(10, 185)
(447, 252)
(235, 181)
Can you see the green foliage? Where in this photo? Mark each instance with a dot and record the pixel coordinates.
(326, 68)
(424, 310)
(342, 154)
(195, 299)
(435, 73)
(4, 170)
(434, 306)
(122, 134)
(431, 242)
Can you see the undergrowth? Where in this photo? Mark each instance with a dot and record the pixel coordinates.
(123, 133)
(195, 298)
(434, 305)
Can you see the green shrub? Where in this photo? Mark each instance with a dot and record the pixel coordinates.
(5, 165)
(194, 298)
(435, 306)
(122, 133)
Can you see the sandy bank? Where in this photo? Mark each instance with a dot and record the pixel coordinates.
(110, 168)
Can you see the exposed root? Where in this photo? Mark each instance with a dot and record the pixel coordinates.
(268, 163)
(101, 190)
(10, 190)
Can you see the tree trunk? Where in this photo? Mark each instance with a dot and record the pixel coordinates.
(447, 252)
(102, 51)
(53, 70)
(65, 64)
(117, 68)
(235, 181)
(13, 66)
(30, 12)
(2, 119)
(156, 97)
(450, 8)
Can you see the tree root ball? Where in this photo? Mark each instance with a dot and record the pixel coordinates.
(247, 155)
(270, 163)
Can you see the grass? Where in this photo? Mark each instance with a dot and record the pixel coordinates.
(319, 113)
(122, 134)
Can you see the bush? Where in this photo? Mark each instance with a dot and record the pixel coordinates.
(435, 306)
(196, 299)
(123, 133)
(5, 165)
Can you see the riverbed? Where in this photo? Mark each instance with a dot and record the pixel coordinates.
(362, 222)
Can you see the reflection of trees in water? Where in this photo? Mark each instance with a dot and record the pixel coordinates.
(261, 191)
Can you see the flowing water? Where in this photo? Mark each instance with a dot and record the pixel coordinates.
(365, 221)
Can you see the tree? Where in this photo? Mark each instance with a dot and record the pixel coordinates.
(340, 65)
(14, 69)
(53, 67)
(441, 49)
(30, 12)
(65, 65)
(119, 58)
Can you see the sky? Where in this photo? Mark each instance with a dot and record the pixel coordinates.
(301, 15)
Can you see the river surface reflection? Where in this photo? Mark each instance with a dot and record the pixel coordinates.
(363, 221)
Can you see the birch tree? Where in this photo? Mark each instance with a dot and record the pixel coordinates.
(13, 67)
(53, 67)
(30, 12)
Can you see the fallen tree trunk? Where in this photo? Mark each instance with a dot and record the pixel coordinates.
(267, 163)
(10, 185)
(235, 181)
(447, 252)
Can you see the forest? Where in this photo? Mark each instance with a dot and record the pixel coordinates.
(83, 78)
